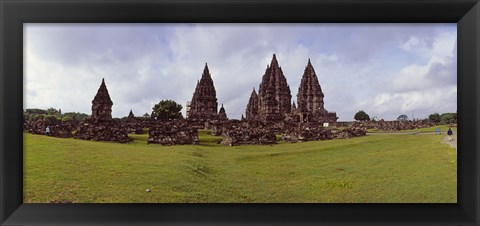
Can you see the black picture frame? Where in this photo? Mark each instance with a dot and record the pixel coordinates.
(13, 13)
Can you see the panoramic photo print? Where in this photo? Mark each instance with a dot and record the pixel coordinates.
(240, 113)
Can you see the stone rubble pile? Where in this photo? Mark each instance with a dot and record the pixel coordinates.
(102, 131)
(312, 131)
(306, 132)
(394, 125)
(349, 133)
(177, 132)
(57, 129)
(238, 133)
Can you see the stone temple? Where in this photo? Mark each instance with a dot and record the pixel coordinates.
(100, 126)
(274, 97)
(222, 114)
(102, 104)
(252, 106)
(310, 99)
(204, 101)
(273, 101)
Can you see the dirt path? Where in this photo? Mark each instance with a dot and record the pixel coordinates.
(453, 143)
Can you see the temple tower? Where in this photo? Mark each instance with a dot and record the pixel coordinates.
(274, 94)
(131, 115)
(222, 115)
(204, 101)
(310, 95)
(102, 104)
(310, 98)
(252, 106)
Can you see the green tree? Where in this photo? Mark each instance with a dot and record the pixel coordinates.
(35, 111)
(435, 117)
(402, 117)
(167, 109)
(75, 116)
(448, 118)
(53, 111)
(361, 116)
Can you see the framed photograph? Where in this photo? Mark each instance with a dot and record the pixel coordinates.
(231, 112)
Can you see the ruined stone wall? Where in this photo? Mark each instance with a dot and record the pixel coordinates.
(243, 133)
(349, 132)
(177, 132)
(137, 124)
(313, 131)
(394, 125)
(57, 129)
(105, 131)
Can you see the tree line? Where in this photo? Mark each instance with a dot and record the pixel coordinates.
(445, 118)
(53, 115)
(164, 110)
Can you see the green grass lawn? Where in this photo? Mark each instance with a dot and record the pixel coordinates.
(372, 169)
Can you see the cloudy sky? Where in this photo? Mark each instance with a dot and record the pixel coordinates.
(384, 69)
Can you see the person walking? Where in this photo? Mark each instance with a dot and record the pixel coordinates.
(47, 131)
(450, 133)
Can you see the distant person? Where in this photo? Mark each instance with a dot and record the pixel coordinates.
(450, 133)
(437, 131)
(47, 131)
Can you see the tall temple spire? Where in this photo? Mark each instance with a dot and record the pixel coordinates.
(204, 101)
(252, 107)
(206, 72)
(274, 61)
(274, 96)
(102, 104)
(310, 95)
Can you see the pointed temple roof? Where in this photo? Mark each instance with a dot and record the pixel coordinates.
(102, 96)
(206, 83)
(222, 115)
(131, 115)
(204, 100)
(310, 95)
(274, 92)
(222, 110)
(309, 82)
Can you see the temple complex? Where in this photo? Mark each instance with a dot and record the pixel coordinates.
(310, 99)
(274, 97)
(269, 112)
(204, 101)
(102, 104)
